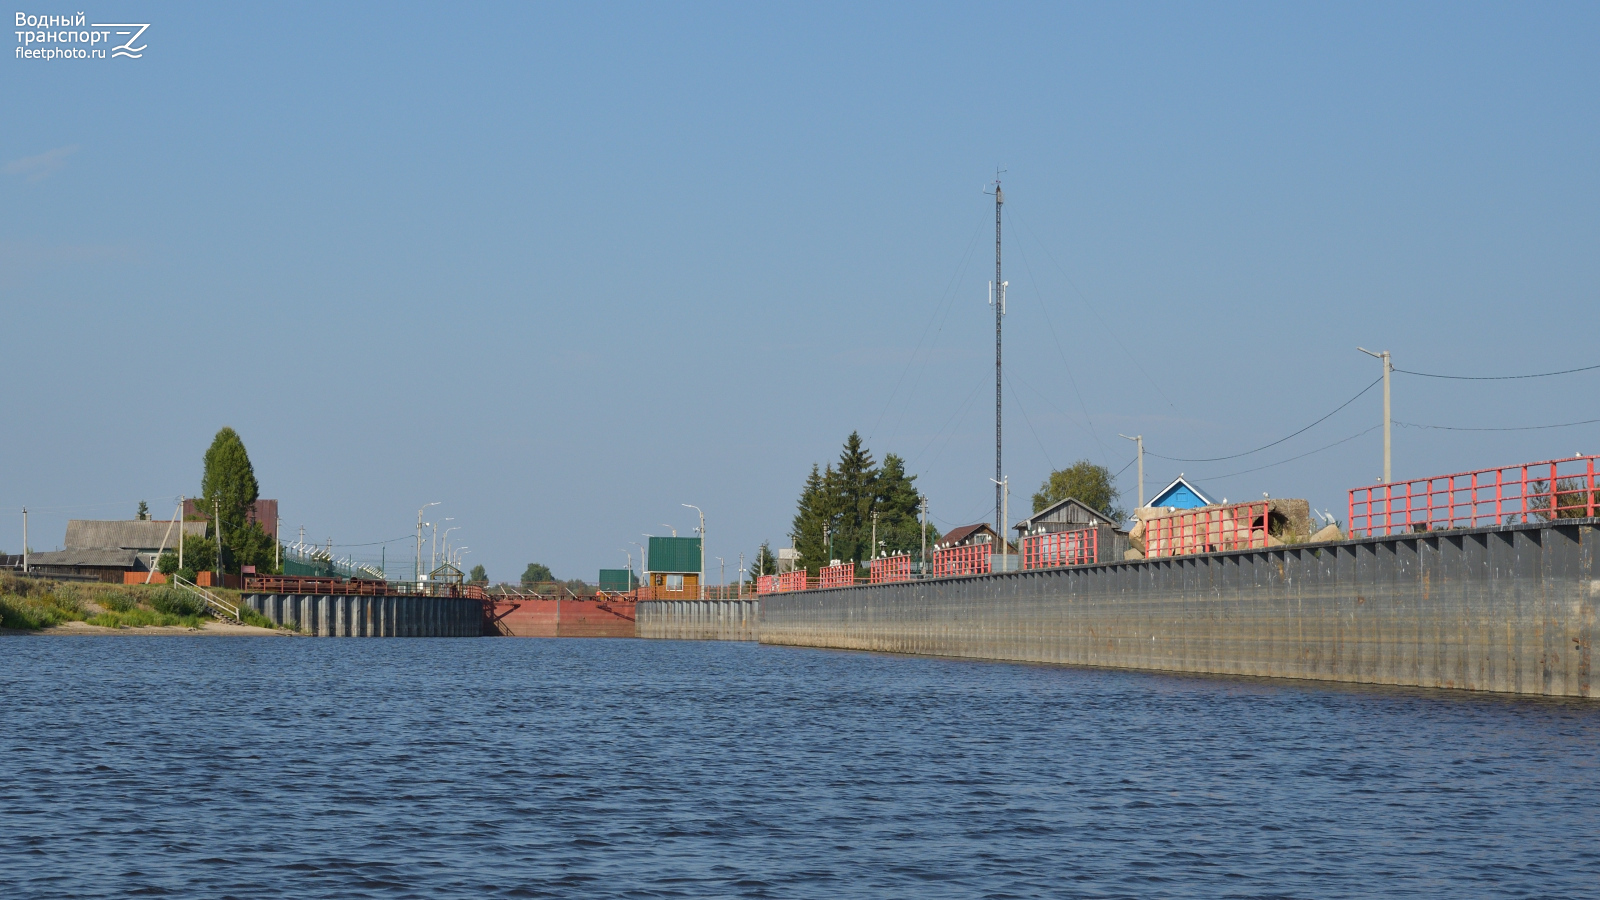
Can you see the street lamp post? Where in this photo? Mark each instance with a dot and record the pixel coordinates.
(1388, 366)
(418, 571)
(447, 541)
(702, 548)
(641, 563)
(1005, 516)
(722, 579)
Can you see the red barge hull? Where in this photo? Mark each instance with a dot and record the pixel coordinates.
(539, 617)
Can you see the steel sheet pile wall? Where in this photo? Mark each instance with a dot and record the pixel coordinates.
(1498, 609)
(699, 620)
(356, 616)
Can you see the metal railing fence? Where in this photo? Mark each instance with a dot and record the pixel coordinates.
(1547, 490)
(1060, 548)
(886, 569)
(1239, 526)
(972, 559)
(841, 575)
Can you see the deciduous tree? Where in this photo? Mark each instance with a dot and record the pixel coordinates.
(1085, 482)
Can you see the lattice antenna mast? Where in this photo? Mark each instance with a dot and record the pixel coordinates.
(997, 298)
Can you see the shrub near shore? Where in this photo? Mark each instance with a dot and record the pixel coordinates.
(31, 604)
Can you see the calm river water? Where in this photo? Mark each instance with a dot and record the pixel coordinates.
(275, 767)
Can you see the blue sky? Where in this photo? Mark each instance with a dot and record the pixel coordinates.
(565, 268)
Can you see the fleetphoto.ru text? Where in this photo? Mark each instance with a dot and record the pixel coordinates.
(74, 37)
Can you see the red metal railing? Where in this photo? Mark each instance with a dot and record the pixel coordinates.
(293, 584)
(972, 559)
(1060, 548)
(1240, 526)
(794, 581)
(1548, 490)
(841, 575)
(890, 568)
(767, 584)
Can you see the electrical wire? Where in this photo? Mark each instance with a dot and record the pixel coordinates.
(1065, 364)
(1496, 378)
(1513, 428)
(1018, 398)
(1012, 213)
(911, 463)
(945, 299)
(1279, 440)
(1292, 458)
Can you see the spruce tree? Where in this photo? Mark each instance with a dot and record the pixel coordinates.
(855, 494)
(814, 513)
(765, 563)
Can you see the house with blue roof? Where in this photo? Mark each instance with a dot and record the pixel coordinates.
(1180, 494)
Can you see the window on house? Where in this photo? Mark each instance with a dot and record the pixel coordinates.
(674, 582)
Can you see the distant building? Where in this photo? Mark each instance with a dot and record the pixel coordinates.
(85, 565)
(969, 535)
(145, 537)
(263, 511)
(617, 581)
(672, 566)
(1180, 494)
(1070, 514)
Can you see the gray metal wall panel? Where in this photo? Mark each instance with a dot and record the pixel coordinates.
(1506, 609)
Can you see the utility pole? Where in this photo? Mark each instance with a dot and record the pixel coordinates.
(998, 287)
(1388, 366)
(722, 579)
(923, 562)
(1139, 439)
(418, 572)
(827, 544)
(874, 553)
(702, 547)
(741, 574)
(216, 506)
(25, 540)
(181, 504)
(277, 544)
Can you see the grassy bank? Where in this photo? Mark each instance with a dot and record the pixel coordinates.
(31, 604)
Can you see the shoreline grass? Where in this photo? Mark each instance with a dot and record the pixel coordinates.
(29, 604)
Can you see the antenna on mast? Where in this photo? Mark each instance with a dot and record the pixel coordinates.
(998, 298)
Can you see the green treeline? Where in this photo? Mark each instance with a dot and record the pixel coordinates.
(835, 515)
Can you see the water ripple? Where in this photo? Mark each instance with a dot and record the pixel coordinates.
(535, 768)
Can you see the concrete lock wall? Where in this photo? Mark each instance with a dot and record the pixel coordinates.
(353, 616)
(1508, 609)
(698, 620)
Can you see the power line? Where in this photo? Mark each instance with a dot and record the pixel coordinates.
(1513, 428)
(1279, 440)
(1092, 308)
(1018, 398)
(1497, 378)
(1065, 364)
(1292, 458)
(945, 297)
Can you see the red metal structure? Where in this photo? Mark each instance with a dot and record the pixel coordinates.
(1548, 490)
(972, 559)
(767, 584)
(890, 568)
(793, 581)
(1239, 526)
(841, 575)
(1060, 548)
